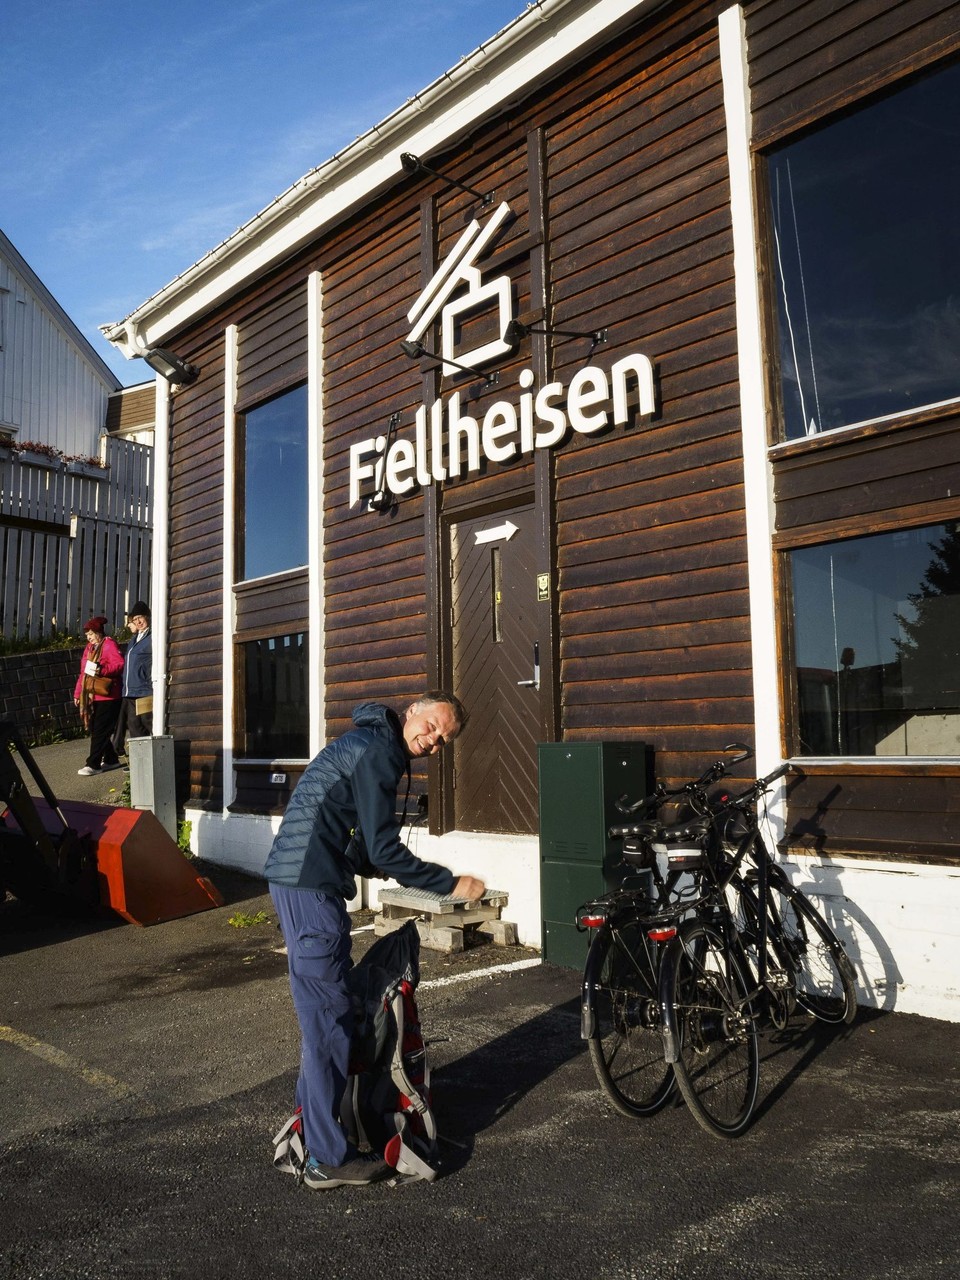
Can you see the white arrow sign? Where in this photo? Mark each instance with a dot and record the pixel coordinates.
(504, 531)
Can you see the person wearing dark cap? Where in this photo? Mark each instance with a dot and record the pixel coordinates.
(97, 696)
(136, 705)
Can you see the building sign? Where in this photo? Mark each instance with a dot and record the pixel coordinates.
(458, 269)
(448, 442)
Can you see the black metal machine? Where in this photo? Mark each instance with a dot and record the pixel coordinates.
(37, 865)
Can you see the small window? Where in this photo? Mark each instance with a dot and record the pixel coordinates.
(866, 255)
(276, 707)
(273, 487)
(877, 641)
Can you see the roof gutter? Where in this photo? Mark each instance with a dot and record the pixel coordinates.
(548, 35)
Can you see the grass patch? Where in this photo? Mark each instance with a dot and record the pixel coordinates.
(246, 920)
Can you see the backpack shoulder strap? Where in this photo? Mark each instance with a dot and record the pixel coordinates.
(401, 1156)
(289, 1153)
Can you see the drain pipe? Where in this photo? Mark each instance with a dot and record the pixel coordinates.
(159, 562)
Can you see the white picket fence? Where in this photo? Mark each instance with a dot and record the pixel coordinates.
(74, 541)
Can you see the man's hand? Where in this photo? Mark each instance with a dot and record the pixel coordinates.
(469, 887)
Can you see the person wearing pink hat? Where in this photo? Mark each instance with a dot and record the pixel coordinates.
(97, 696)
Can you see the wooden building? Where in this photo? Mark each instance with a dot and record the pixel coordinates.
(610, 381)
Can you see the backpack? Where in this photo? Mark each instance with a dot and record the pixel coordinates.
(386, 1104)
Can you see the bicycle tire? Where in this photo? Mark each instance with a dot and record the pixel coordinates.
(718, 1061)
(744, 903)
(627, 1049)
(824, 978)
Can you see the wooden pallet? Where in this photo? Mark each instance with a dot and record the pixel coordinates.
(441, 919)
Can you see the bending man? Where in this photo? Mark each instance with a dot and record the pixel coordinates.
(341, 821)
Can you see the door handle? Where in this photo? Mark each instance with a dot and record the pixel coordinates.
(535, 682)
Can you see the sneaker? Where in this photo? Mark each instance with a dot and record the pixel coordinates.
(105, 768)
(87, 772)
(356, 1171)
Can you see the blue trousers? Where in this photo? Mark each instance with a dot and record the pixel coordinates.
(316, 929)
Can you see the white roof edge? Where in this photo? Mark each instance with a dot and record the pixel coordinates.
(504, 67)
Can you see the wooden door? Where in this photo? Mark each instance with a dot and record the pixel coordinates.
(495, 654)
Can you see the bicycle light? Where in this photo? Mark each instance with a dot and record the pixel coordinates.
(662, 934)
(592, 915)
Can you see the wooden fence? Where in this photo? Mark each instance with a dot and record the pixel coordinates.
(74, 540)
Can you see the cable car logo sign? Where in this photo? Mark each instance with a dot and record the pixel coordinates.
(449, 442)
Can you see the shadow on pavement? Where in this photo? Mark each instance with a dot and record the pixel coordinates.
(25, 926)
(477, 1090)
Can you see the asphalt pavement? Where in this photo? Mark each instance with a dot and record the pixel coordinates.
(143, 1072)
(59, 763)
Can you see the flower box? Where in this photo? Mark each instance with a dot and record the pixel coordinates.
(38, 459)
(88, 469)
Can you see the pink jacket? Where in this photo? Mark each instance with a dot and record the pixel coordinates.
(111, 664)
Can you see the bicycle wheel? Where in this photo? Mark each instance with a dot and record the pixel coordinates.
(822, 972)
(627, 1049)
(718, 1065)
(779, 983)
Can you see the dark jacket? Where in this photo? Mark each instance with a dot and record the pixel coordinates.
(138, 668)
(351, 786)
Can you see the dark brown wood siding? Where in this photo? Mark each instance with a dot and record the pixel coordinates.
(810, 59)
(278, 606)
(374, 589)
(650, 521)
(847, 809)
(272, 348)
(865, 481)
(195, 646)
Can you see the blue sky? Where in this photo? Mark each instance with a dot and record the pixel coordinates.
(136, 137)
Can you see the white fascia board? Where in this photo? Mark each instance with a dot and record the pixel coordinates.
(535, 45)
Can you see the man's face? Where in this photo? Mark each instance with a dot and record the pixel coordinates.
(428, 726)
(138, 622)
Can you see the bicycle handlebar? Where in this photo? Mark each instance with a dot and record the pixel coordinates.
(660, 793)
(761, 785)
(712, 774)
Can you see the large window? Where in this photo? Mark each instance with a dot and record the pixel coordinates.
(276, 698)
(866, 243)
(877, 644)
(272, 521)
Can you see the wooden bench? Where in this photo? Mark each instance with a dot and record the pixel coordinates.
(442, 919)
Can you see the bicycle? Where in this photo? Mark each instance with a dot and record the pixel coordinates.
(803, 962)
(620, 1003)
(699, 964)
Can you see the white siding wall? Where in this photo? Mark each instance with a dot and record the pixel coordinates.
(51, 390)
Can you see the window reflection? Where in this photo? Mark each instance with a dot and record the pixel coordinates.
(273, 460)
(276, 697)
(867, 258)
(877, 641)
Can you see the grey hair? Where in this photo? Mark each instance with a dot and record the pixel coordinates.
(433, 696)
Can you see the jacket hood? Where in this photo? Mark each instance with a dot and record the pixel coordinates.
(374, 715)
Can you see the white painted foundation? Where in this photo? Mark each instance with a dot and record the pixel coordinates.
(900, 922)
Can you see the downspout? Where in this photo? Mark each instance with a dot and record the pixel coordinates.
(159, 558)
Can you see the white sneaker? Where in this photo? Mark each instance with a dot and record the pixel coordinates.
(87, 772)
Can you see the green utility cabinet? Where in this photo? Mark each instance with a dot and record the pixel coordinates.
(580, 783)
